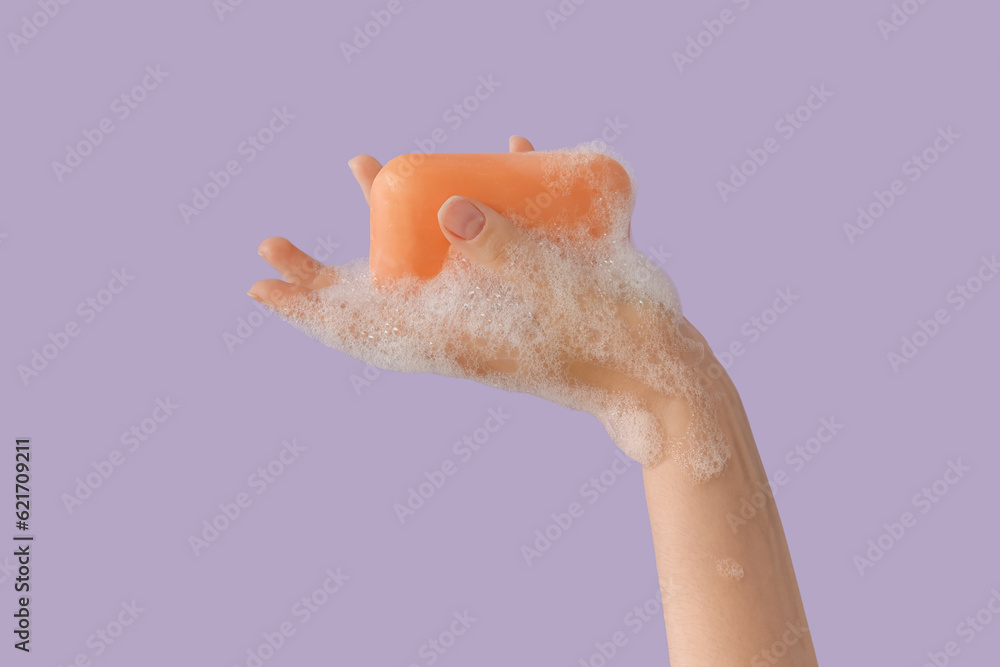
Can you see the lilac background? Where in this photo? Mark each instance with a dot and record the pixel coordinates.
(165, 334)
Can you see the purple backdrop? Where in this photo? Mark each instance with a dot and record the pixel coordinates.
(836, 162)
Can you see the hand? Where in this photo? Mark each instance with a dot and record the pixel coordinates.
(594, 327)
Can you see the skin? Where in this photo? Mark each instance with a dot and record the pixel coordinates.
(711, 619)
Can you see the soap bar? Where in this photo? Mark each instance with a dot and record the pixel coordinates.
(534, 189)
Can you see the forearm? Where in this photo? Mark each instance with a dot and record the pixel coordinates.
(729, 591)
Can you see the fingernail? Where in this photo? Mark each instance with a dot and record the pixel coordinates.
(462, 218)
(254, 297)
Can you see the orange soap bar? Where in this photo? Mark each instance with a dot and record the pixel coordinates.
(531, 188)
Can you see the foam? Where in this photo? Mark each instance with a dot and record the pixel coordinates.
(566, 301)
(729, 569)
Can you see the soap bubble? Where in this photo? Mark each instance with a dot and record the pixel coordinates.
(563, 314)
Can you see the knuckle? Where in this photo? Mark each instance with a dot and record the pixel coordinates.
(501, 253)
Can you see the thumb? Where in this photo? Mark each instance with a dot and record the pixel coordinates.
(481, 234)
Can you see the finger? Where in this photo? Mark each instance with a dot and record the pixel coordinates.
(285, 298)
(295, 266)
(482, 235)
(519, 144)
(365, 168)
(479, 357)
